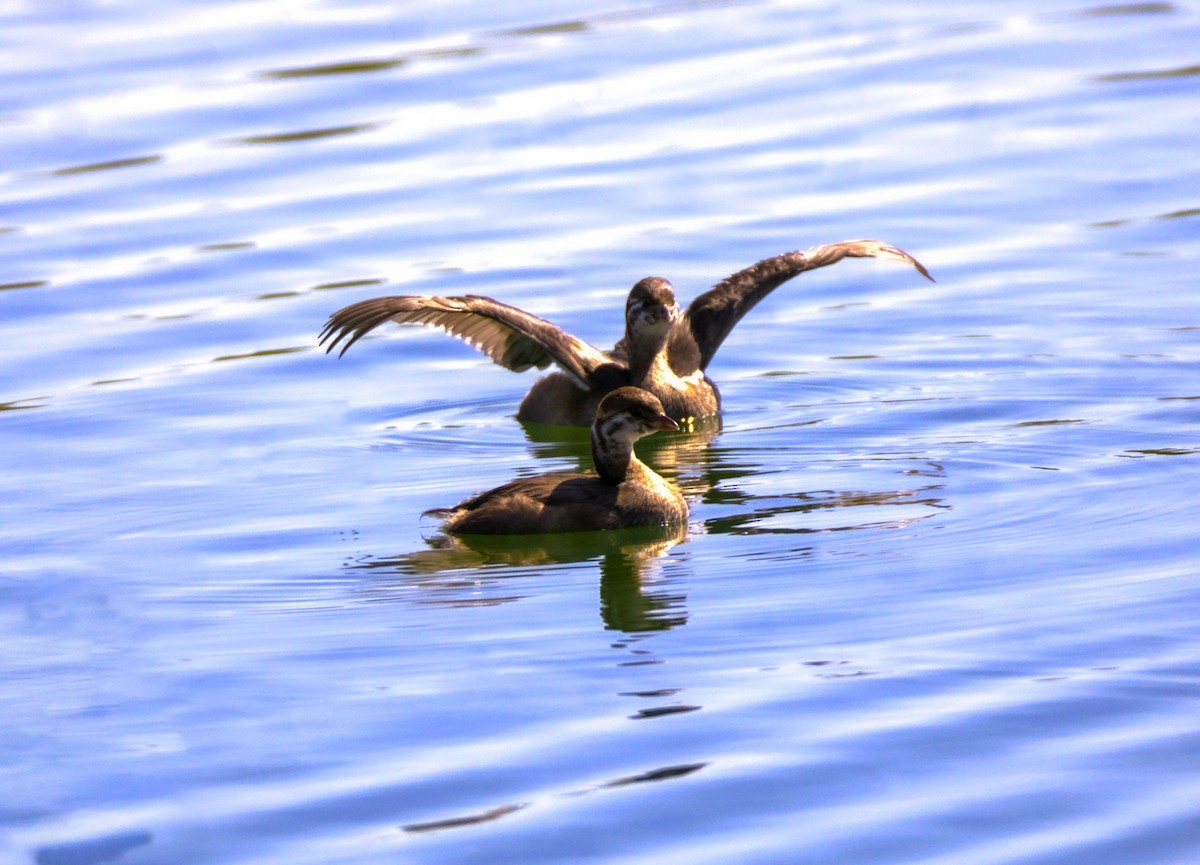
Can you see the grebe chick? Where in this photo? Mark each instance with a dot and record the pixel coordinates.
(623, 493)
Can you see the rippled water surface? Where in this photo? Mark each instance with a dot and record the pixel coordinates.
(937, 601)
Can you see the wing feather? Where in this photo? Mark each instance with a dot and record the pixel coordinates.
(712, 315)
(509, 336)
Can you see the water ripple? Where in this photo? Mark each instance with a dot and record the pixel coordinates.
(937, 600)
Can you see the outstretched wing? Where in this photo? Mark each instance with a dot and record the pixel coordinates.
(712, 315)
(511, 337)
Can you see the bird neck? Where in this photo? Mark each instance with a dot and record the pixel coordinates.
(647, 350)
(613, 456)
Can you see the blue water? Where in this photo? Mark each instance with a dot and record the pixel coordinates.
(937, 599)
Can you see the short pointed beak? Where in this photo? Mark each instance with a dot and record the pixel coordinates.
(664, 422)
(658, 312)
(663, 312)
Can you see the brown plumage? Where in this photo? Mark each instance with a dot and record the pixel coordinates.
(670, 362)
(623, 493)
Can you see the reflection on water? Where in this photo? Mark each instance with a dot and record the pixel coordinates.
(831, 511)
(500, 39)
(664, 773)
(1150, 74)
(466, 820)
(306, 134)
(108, 165)
(474, 570)
(361, 67)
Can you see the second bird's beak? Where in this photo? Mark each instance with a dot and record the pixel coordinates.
(663, 313)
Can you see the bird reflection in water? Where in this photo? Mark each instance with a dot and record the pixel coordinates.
(478, 570)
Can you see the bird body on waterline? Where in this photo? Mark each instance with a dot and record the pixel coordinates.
(622, 493)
